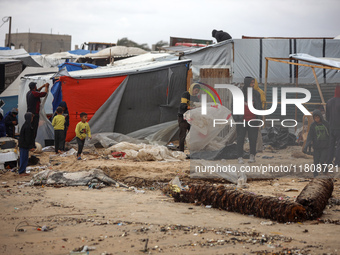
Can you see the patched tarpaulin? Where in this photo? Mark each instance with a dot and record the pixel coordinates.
(86, 95)
(123, 99)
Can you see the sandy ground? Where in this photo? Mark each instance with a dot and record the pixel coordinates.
(116, 220)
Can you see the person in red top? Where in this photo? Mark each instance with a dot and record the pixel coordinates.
(248, 115)
(33, 103)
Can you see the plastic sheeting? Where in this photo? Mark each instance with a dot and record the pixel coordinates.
(120, 51)
(203, 130)
(278, 137)
(335, 62)
(146, 152)
(45, 129)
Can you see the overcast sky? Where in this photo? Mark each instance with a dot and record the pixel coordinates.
(150, 21)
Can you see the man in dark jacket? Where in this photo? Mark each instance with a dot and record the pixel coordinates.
(242, 130)
(187, 99)
(26, 142)
(333, 117)
(10, 122)
(33, 102)
(220, 35)
(318, 135)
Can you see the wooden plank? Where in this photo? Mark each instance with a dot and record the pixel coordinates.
(214, 73)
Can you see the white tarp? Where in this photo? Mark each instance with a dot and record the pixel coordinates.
(147, 57)
(334, 62)
(55, 59)
(146, 152)
(120, 51)
(45, 129)
(19, 53)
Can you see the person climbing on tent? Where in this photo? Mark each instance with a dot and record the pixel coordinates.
(187, 99)
(248, 115)
(33, 102)
(333, 118)
(220, 35)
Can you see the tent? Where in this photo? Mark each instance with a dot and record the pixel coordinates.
(117, 99)
(10, 94)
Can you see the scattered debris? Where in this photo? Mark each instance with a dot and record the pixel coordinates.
(82, 178)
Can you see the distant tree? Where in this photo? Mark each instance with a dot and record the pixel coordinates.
(128, 43)
(160, 44)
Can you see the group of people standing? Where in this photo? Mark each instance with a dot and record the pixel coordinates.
(324, 136)
(60, 123)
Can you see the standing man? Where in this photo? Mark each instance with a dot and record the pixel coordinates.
(333, 118)
(186, 104)
(33, 103)
(242, 130)
(11, 121)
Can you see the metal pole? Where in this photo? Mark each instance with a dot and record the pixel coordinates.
(9, 33)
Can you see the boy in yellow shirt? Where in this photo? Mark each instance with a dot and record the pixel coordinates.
(82, 129)
(58, 125)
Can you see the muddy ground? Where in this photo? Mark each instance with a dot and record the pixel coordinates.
(142, 219)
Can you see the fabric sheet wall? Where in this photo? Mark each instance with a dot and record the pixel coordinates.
(86, 95)
(151, 98)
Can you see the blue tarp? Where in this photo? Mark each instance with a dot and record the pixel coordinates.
(70, 66)
(34, 53)
(82, 52)
(10, 103)
(57, 95)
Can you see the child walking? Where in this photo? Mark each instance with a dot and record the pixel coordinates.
(58, 124)
(318, 135)
(26, 143)
(82, 129)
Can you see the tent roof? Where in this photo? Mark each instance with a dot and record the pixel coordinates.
(334, 62)
(19, 54)
(116, 51)
(147, 57)
(132, 68)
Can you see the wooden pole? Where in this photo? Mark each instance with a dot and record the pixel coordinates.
(265, 90)
(318, 85)
(296, 85)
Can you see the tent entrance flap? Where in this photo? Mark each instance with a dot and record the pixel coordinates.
(86, 95)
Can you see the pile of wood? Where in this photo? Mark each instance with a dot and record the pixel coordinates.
(310, 204)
